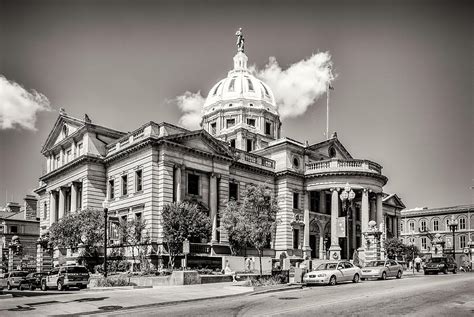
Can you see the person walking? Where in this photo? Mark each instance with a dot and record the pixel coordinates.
(418, 263)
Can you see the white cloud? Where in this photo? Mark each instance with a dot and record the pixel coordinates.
(300, 85)
(191, 105)
(18, 107)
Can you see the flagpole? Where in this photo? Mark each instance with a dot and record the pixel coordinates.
(327, 111)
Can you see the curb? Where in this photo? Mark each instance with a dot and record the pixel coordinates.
(116, 288)
(274, 290)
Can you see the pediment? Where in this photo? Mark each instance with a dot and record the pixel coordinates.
(202, 141)
(395, 201)
(324, 148)
(64, 127)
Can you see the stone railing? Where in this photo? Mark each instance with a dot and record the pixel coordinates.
(335, 165)
(253, 159)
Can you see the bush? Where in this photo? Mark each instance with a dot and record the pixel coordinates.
(113, 281)
(262, 281)
(123, 266)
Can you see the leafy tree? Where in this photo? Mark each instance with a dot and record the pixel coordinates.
(183, 220)
(253, 221)
(397, 247)
(134, 235)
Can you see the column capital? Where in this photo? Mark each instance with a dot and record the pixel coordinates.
(332, 189)
(366, 190)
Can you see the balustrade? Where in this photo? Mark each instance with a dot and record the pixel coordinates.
(343, 165)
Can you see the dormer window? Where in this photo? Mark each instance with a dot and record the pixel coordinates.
(268, 128)
(232, 84)
(251, 122)
(229, 123)
(213, 128)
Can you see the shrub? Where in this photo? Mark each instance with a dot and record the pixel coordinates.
(123, 266)
(113, 281)
(263, 281)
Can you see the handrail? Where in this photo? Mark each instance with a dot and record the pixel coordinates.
(342, 164)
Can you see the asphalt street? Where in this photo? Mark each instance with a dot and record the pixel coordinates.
(433, 295)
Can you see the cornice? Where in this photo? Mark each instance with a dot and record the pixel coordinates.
(77, 161)
(383, 178)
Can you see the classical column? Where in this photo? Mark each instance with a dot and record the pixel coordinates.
(177, 184)
(364, 213)
(353, 227)
(73, 197)
(306, 246)
(397, 227)
(62, 203)
(321, 246)
(379, 214)
(52, 207)
(213, 206)
(322, 202)
(335, 249)
(372, 210)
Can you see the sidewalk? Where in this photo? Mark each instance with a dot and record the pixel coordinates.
(103, 301)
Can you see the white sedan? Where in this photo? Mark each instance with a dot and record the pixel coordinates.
(333, 272)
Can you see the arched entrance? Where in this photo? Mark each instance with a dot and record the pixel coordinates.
(314, 239)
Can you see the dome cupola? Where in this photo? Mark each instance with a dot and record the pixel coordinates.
(241, 108)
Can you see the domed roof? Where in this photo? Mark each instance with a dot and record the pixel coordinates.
(240, 85)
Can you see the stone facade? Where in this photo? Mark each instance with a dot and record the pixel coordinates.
(420, 225)
(159, 163)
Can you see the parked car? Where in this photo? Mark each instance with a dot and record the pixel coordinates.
(333, 272)
(31, 281)
(440, 264)
(64, 277)
(382, 269)
(14, 278)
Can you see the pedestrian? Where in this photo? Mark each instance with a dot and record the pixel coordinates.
(418, 263)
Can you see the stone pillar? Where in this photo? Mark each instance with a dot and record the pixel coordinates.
(177, 184)
(353, 228)
(322, 202)
(321, 246)
(213, 206)
(62, 203)
(306, 246)
(335, 249)
(379, 209)
(39, 258)
(52, 207)
(397, 227)
(372, 214)
(73, 197)
(364, 212)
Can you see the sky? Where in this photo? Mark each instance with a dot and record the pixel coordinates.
(403, 93)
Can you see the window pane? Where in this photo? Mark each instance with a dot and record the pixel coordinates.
(233, 191)
(193, 184)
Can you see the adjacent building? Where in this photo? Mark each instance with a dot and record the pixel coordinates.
(419, 225)
(240, 144)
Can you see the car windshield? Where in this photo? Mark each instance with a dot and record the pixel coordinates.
(376, 263)
(31, 275)
(19, 274)
(76, 269)
(437, 260)
(326, 266)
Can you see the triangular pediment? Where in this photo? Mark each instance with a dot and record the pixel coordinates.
(395, 201)
(326, 147)
(202, 141)
(63, 128)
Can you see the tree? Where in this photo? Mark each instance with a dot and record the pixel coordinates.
(253, 221)
(397, 247)
(183, 220)
(134, 234)
(84, 228)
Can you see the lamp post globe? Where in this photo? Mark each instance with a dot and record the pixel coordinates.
(453, 225)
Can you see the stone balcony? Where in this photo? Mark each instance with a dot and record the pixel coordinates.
(340, 165)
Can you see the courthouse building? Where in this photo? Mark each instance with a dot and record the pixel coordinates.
(240, 144)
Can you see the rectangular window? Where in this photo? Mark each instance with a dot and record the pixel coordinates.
(138, 216)
(13, 229)
(138, 181)
(251, 122)
(213, 128)
(462, 223)
(296, 198)
(232, 143)
(423, 225)
(79, 149)
(193, 184)
(233, 191)
(229, 123)
(423, 243)
(249, 145)
(58, 161)
(296, 238)
(435, 225)
(401, 227)
(412, 226)
(124, 184)
(314, 201)
(268, 128)
(462, 242)
(79, 197)
(45, 211)
(68, 156)
(111, 189)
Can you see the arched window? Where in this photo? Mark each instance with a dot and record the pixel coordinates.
(462, 223)
(402, 229)
(423, 225)
(435, 225)
(332, 152)
(412, 226)
(65, 130)
(215, 90)
(423, 243)
(266, 90)
(250, 84)
(232, 84)
(447, 223)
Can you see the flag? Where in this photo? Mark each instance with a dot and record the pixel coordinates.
(341, 226)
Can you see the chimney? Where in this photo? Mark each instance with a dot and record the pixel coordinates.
(30, 207)
(13, 207)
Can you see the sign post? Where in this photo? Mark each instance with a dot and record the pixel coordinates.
(185, 252)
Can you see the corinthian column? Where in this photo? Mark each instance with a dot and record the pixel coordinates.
(379, 214)
(52, 207)
(213, 206)
(62, 203)
(365, 210)
(73, 197)
(306, 246)
(177, 184)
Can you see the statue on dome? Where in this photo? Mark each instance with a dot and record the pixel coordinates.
(240, 40)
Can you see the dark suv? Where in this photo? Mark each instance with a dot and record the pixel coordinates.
(442, 264)
(66, 276)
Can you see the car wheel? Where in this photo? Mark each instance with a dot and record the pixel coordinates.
(44, 287)
(332, 280)
(455, 270)
(384, 276)
(399, 274)
(60, 286)
(20, 287)
(356, 278)
(9, 287)
(32, 287)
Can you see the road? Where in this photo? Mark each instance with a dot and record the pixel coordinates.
(434, 295)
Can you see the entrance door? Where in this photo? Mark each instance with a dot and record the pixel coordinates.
(314, 245)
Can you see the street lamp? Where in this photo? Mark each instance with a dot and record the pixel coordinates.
(412, 243)
(453, 225)
(105, 205)
(347, 196)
